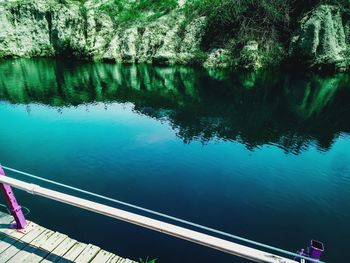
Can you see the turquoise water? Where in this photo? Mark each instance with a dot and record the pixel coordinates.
(265, 156)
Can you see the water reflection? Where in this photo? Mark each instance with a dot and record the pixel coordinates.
(290, 111)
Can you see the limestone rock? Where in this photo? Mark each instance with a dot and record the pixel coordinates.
(220, 58)
(47, 28)
(67, 29)
(37, 28)
(320, 41)
(162, 41)
(99, 33)
(193, 35)
(249, 56)
(19, 36)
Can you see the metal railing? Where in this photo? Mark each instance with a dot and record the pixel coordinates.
(146, 222)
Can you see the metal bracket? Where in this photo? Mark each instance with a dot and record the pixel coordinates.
(30, 226)
(14, 207)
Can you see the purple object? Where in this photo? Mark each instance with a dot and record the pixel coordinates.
(316, 249)
(15, 208)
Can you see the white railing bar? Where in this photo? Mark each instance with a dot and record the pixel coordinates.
(166, 228)
(176, 219)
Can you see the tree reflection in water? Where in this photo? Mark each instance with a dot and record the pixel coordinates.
(291, 111)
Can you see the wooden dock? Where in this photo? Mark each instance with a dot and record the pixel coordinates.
(38, 244)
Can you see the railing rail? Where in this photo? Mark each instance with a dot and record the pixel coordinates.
(146, 222)
(180, 232)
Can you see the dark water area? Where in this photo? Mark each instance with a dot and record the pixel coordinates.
(265, 156)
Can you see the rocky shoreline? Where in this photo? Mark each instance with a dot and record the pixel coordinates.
(39, 28)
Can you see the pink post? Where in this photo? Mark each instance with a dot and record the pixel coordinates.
(15, 209)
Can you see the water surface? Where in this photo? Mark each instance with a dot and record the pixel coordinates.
(265, 156)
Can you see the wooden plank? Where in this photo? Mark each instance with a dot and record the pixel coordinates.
(7, 241)
(73, 253)
(5, 220)
(13, 232)
(33, 246)
(113, 259)
(87, 254)
(38, 244)
(4, 215)
(12, 236)
(5, 225)
(102, 256)
(45, 248)
(20, 244)
(117, 259)
(54, 241)
(60, 250)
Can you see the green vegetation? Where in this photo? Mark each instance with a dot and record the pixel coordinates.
(232, 23)
(147, 260)
(248, 34)
(126, 12)
(267, 20)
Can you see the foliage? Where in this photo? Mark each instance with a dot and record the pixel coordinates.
(243, 19)
(76, 1)
(232, 23)
(147, 260)
(126, 12)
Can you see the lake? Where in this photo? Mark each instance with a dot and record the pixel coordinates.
(265, 156)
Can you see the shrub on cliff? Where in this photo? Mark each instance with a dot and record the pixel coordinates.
(231, 24)
(126, 12)
(243, 19)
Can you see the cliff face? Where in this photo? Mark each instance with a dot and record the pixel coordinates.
(321, 40)
(47, 28)
(159, 41)
(69, 28)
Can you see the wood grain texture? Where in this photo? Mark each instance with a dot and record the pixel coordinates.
(39, 244)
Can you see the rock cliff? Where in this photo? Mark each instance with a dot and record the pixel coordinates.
(45, 28)
(320, 42)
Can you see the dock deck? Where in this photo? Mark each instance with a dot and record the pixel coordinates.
(39, 244)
